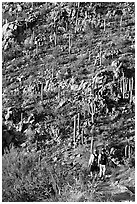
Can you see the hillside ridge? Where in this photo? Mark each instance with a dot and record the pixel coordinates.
(68, 75)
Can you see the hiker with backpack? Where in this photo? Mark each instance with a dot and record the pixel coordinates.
(93, 164)
(102, 161)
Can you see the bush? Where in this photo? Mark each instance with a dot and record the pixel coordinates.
(131, 162)
(24, 179)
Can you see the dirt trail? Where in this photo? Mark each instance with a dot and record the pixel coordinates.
(115, 192)
(118, 187)
(115, 188)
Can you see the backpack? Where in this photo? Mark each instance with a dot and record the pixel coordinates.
(103, 159)
(95, 161)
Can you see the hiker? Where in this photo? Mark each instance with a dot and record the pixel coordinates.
(102, 161)
(93, 164)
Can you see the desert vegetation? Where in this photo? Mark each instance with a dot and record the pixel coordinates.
(68, 86)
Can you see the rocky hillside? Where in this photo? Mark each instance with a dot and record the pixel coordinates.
(68, 86)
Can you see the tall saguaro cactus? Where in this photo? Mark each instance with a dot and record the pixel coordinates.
(37, 46)
(121, 18)
(78, 123)
(42, 85)
(82, 136)
(104, 24)
(91, 145)
(92, 112)
(100, 55)
(21, 117)
(59, 92)
(121, 89)
(74, 134)
(131, 83)
(55, 36)
(69, 43)
(126, 150)
(123, 86)
(129, 151)
(126, 85)
(77, 16)
(42, 91)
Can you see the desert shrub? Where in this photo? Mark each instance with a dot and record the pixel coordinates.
(130, 162)
(24, 179)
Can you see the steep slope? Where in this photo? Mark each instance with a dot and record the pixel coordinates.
(73, 66)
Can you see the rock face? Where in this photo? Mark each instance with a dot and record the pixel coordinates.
(7, 35)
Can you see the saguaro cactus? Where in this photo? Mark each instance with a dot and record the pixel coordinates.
(42, 91)
(123, 86)
(78, 123)
(132, 83)
(100, 55)
(91, 145)
(121, 22)
(121, 89)
(126, 85)
(131, 88)
(42, 84)
(69, 43)
(92, 112)
(82, 136)
(74, 134)
(126, 150)
(129, 151)
(59, 92)
(21, 117)
(37, 47)
(77, 17)
(89, 52)
(104, 24)
(55, 38)
(129, 85)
